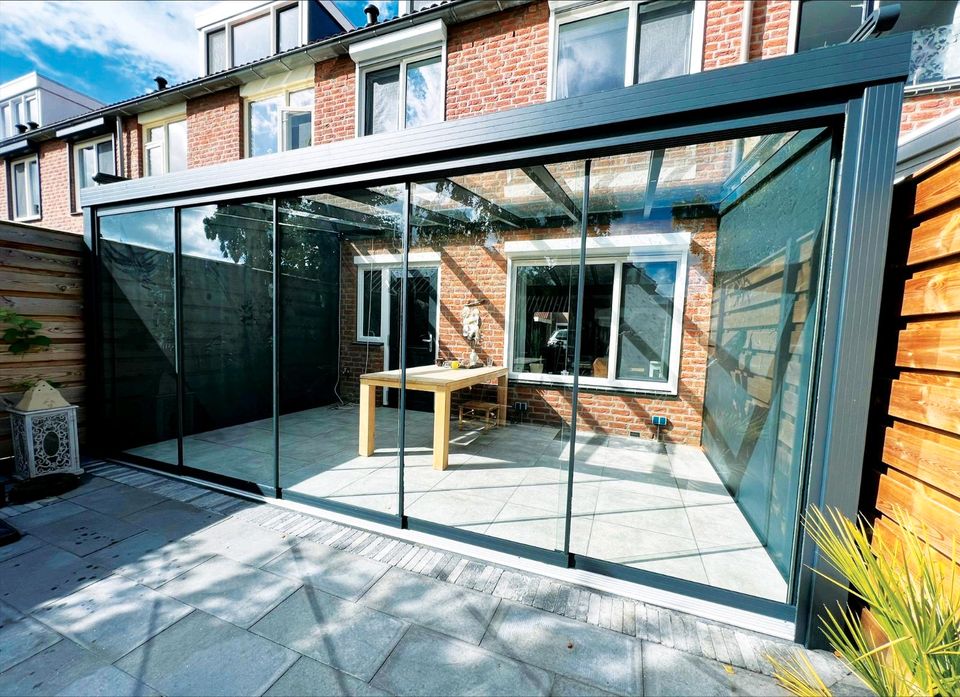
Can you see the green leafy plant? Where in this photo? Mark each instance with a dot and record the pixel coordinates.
(913, 595)
(21, 333)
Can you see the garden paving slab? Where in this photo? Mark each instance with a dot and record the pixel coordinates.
(425, 663)
(86, 532)
(112, 616)
(174, 519)
(43, 574)
(341, 573)
(458, 612)
(88, 483)
(42, 516)
(118, 500)
(310, 678)
(149, 558)
(183, 659)
(596, 656)
(565, 687)
(668, 672)
(232, 591)
(21, 546)
(21, 637)
(68, 669)
(240, 541)
(341, 634)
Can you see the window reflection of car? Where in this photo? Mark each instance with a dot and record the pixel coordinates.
(558, 338)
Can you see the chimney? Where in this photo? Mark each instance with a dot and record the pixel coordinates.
(161, 83)
(372, 12)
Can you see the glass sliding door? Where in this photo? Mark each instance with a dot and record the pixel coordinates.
(227, 291)
(338, 322)
(137, 310)
(487, 428)
(695, 361)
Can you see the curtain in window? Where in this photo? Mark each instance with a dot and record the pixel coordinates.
(663, 43)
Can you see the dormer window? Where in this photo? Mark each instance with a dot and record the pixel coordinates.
(251, 40)
(216, 51)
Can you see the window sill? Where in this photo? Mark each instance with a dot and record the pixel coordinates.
(666, 390)
(931, 88)
(30, 219)
(368, 342)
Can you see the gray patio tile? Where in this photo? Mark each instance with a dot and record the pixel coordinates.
(309, 678)
(190, 658)
(671, 672)
(595, 656)
(21, 637)
(456, 508)
(149, 558)
(42, 516)
(44, 574)
(565, 687)
(461, 613)
(88, 483)
(86, 532)
(232, 591)
(851, 686)
(21, 546)
(340, 573)
(344, 635)
(112, 616)
(429, 664)
(241, 541)
(68, 669)
(118, 500)
(174, 519)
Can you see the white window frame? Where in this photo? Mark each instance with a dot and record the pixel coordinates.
(28, 194)
(253, 14)
(402, 62)
(75, 160)
(285, 108)
(163, 145)
(17, 107)
(616, 250)
(566, 11)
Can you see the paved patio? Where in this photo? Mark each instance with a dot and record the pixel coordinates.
(139, 584)
(637, 503)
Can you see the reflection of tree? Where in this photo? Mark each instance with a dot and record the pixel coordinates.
(243, 233)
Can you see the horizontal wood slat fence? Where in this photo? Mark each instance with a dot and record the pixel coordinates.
(41, 277)
(917, 416)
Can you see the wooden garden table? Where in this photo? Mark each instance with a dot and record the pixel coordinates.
(443, 382)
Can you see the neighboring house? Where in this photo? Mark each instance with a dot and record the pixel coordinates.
(689, 259)
(334, 83)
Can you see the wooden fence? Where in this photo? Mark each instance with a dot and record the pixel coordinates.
(41, 277)
(917, 394)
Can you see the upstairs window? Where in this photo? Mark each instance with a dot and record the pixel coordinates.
(92, 158)
(25, 181)
(280, 122)
(403, 96)
(165, 149)
(251, 40)
(288, 28)
(934, 25)
(608, 45)
(216, 51)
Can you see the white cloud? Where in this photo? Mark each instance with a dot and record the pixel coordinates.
(141, 39)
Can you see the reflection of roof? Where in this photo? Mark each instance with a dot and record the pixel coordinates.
(322, 49)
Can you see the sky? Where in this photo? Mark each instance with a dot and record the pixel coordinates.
(112, 49)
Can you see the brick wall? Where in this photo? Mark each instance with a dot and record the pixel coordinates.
(721, 40)
(921, 110)
(5, 192)
(498, 62)
(215, 128)
(56, 189)
(770, 28)
(132, 148)
(335, 95)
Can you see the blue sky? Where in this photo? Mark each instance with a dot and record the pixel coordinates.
(111, 50)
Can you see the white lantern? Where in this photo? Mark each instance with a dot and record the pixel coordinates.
(44, 429)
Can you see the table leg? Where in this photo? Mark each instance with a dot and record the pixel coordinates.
(441, 430)
(502, 400)
(368, 411)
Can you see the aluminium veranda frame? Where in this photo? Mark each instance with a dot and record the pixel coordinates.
(856, 89)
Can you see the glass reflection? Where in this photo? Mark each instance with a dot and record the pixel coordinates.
(139, 336)
(424, 99)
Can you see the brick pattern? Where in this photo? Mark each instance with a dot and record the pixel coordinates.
(215, 128)
(56, 188)
(721, 41)
(921, 110)
(770, 28)
(132, 148)
(738, 648)
(335, 95)
(499, 62)
(5, 192)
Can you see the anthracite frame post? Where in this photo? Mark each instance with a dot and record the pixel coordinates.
(178, 327)
(405, 272)
(275, 267)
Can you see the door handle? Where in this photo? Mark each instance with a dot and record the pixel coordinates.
(428, 340)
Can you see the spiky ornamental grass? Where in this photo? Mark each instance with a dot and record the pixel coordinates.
(913, 594)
